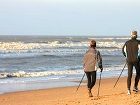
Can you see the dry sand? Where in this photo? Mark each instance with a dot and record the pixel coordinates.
(68, 96)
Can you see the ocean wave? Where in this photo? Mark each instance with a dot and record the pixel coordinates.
(110, 38)
(23, 47)
(38, 74)
(112, 44)
(54, 48)
(60, 53)
(20, 74)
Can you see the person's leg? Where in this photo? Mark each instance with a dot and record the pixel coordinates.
(93, 79)
(137, 76)
(130, 70)
(89, 83)
(89, 79)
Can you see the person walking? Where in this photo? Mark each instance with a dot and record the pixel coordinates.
(91, 60)
(130, 51)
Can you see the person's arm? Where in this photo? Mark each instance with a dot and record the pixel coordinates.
(99, 61)
(124, 50)
(84, 60)
(139, 51)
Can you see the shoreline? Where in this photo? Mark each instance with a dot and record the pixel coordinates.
(41, 85)
(67, 95)
(25, 84)
(52, 84)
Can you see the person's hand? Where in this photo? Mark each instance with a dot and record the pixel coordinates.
(125, 55)
(101, 69)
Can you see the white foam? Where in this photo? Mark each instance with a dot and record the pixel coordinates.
(39, 74)
(114, 68)
(111, 38)
(110, 44)
(54, 73)
(21, 49)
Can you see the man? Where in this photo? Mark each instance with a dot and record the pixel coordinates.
(92, 58)
(130, 51)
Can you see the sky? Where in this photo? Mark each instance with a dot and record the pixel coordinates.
(69, 17)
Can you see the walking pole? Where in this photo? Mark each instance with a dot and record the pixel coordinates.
(99, 84)
(80, 82)
(120, 75)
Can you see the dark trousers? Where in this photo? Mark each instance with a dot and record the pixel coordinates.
(130, 72)
(91, 76)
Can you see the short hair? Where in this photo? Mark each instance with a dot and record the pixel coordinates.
(93, 43)
(134, 34)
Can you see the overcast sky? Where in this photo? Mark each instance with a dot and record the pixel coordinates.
(69, 17)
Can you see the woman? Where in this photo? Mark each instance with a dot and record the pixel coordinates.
(92, 58)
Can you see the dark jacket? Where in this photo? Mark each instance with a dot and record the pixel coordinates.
(130, 50)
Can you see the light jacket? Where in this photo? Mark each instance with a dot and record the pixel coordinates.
(91, 60)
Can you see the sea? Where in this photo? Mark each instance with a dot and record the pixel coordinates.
(41, 62)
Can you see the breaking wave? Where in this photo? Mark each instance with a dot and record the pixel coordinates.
(20, 74)
(21, 49)
(38, 74)
(24, 47)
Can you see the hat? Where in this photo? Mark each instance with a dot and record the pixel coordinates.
(134, 34)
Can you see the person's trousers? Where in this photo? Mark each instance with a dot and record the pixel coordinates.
(130, 72)
(91, 77)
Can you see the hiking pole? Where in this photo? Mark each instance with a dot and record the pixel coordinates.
(120, 75)
(80, 82)
(99, 84)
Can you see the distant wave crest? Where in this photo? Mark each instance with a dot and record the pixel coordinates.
(21, 49)
(37, 74)
(20, 74)
(21, 46)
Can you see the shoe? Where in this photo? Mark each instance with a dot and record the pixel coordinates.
(89, 92)
(128, 92)
(135, 89)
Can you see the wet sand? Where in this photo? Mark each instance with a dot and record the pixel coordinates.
(68, 95)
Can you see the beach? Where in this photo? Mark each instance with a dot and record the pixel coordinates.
(47, 49)
(68, 95)
(46, 70)
(42, 62)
